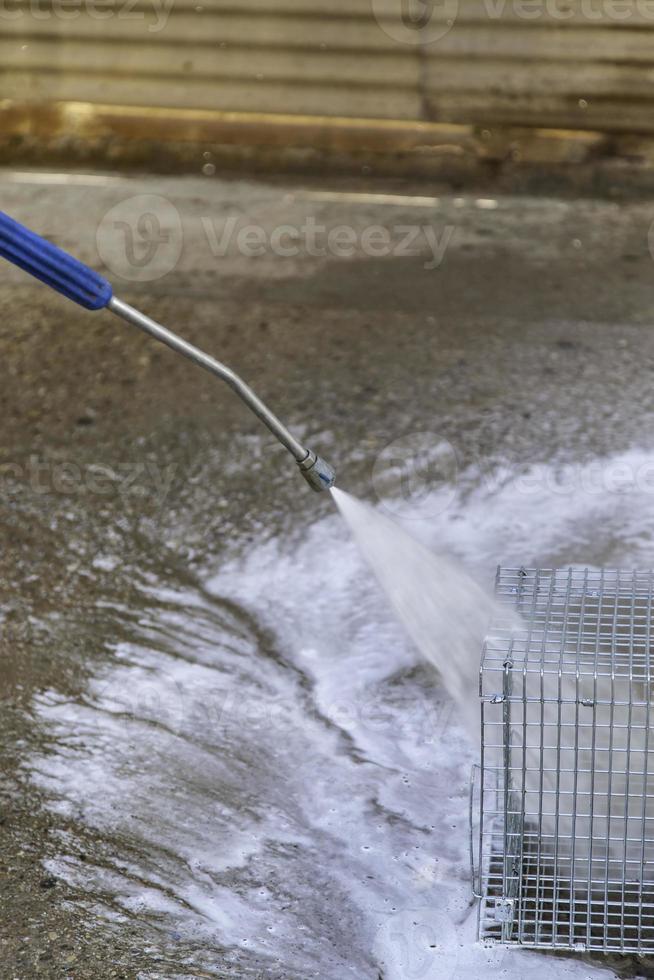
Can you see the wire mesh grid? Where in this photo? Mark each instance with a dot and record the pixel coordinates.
(563, 849)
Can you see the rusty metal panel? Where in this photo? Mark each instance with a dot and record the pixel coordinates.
(230, 95)
(581, 64)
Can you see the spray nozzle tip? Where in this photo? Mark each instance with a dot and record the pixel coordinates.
(318, 474)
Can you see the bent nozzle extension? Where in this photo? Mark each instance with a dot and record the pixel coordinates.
(318, 474)
(70, 277)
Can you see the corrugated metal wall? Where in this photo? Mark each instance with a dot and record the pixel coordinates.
(555, 63)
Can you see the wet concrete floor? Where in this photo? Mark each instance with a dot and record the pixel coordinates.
(190, 645)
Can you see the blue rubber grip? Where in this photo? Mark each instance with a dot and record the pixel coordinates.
(51, 265)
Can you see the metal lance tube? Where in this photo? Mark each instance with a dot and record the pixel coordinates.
(86, 287)
(318, 474)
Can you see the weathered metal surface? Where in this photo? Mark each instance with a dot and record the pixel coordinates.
(578, 65)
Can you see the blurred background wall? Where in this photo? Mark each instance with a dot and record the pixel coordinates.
(436, 83)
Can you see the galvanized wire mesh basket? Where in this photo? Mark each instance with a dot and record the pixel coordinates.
(562, 805)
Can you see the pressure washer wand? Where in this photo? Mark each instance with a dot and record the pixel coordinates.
(70, 277)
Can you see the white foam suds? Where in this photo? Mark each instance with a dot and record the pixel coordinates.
(276, 768)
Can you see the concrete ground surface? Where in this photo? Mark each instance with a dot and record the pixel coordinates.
(188, 638)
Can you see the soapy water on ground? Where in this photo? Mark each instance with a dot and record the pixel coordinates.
(279, 778)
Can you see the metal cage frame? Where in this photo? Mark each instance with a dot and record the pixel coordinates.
(562, 803)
